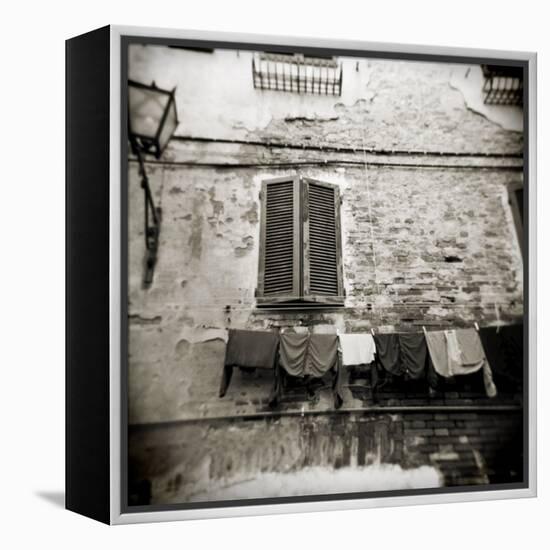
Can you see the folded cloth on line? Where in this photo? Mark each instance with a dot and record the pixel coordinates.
(248, 349)
(312, 355)
(387, 348)
(413, 353)
(437, 347)
(322, 354)
(464, 351)
(293, 353)
(308, 355)
(403, 353)
(459, 352)
(357, 349)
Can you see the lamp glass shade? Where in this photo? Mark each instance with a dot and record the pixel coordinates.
(169, 126)
(146, 108)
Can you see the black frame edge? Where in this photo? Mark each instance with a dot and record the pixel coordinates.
(87, 450)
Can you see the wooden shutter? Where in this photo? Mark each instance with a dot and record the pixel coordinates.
(322, 242)
(280, 255)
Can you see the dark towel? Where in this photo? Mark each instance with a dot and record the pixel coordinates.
(248, 349)
(402, 354)
(413, 354)
(387, 350)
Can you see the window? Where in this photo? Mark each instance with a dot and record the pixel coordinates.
(502, 85)
(303, 74)
(301, 248)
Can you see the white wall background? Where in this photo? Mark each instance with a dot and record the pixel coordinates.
(32, 272)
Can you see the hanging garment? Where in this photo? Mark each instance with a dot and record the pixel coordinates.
(503, 348)
(248, 349)
(304, 355)
(293, 353)
(322, 354)
(459, 352)
(402, 354)
(387, 349)
(413, 351)
(464, 352)
(357, 349)
(437, 347)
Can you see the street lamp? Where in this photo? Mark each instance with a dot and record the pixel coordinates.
(152, 120)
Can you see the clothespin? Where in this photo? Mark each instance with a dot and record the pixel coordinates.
(424, 330)
(476, 326)
(372, 331)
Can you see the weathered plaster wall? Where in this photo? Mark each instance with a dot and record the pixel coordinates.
(428, 239)
(384, 104)
(400, 228)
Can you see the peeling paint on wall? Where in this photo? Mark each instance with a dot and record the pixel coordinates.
(248, 242)
(251, 215)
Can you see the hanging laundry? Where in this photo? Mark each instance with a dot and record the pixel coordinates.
(304, 355)
(503, 348)
(460, 352)
(387, 349)
(437, 348)
(322, 354)
(357, 349)
(402, 354)
(248, 349)
(464, 352)
(293, 353)
(413, 353)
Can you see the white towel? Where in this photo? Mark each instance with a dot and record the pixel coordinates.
(357, 349)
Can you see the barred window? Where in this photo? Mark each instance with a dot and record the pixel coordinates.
(301, 249)
(502, 85)
(298, 73)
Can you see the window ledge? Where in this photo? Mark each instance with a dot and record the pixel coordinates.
(302, 303)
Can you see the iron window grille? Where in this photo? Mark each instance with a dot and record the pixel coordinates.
(297, 73)
(502, 85)
(300, 244)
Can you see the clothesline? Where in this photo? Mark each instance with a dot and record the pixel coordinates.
(428, 354)
(372, 330)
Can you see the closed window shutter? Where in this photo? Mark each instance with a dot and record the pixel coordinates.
(280, 263)
(322, 242)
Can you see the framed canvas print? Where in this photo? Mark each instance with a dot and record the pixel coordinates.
(300, 274)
